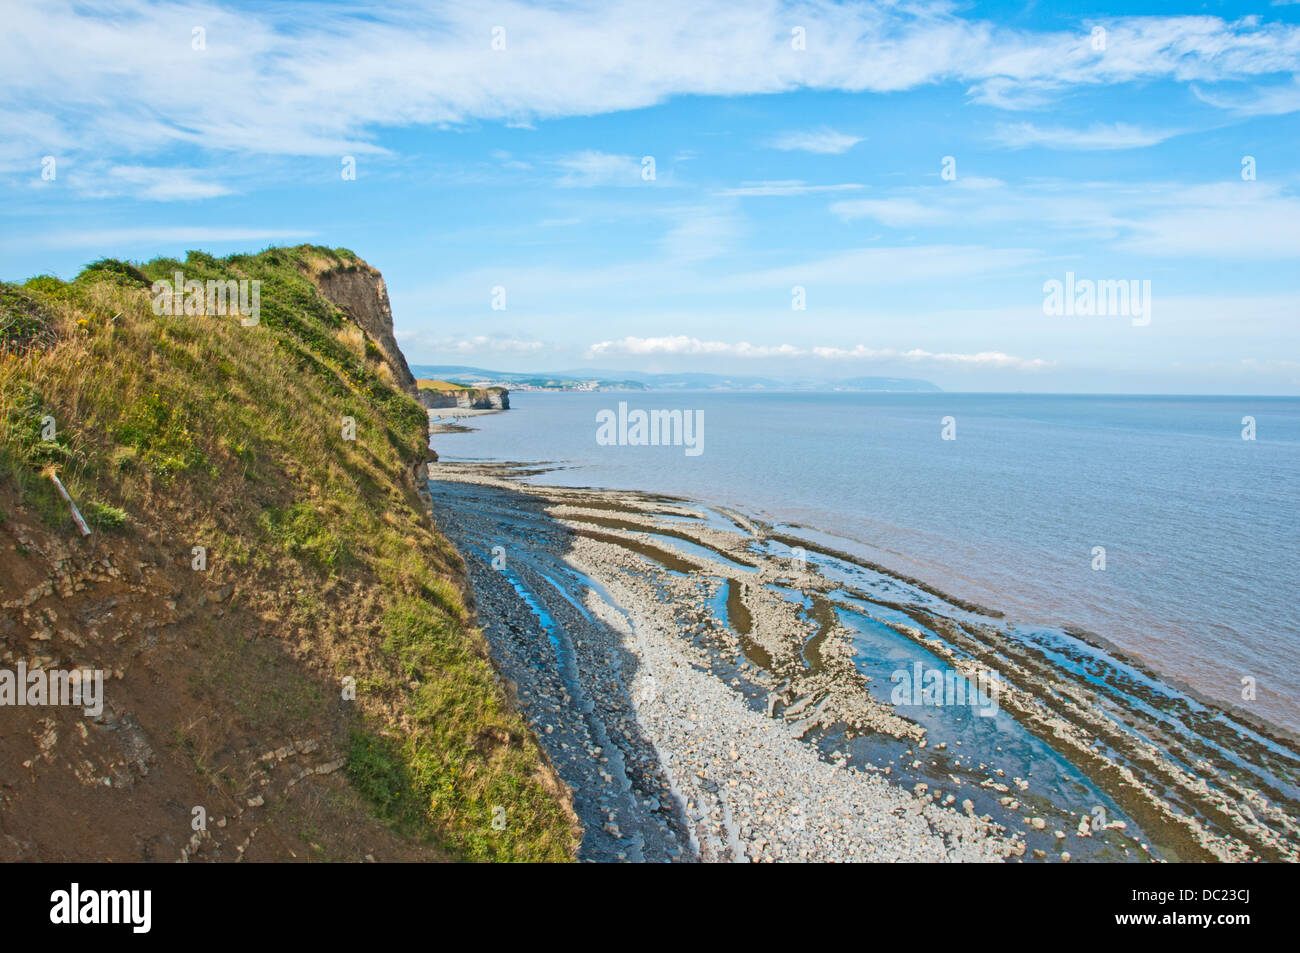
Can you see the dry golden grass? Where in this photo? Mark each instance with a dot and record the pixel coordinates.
(235, 434)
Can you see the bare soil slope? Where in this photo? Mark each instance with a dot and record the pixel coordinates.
(292, 453)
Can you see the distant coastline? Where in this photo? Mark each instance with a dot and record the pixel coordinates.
(595, 379)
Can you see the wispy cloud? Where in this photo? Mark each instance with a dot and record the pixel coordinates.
(700, 233)
(895, 212)
(152, 183)
(786, 187)
(1234, 220)
(478, 344)
(593, 168)
(318, 85)
(685, 346)
(1240, 220)
(166, 235)
(822, 141)
(982, 359)
(1260, 101)
(1097, 137)
(885, 266)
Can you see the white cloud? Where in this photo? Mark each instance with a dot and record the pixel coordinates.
(1005, 93)
(1097, 137)
(123, 75)
(97, 178)
(681, 345)
(157, 184)
(1233, 220)
(1238, 220)
(896, 212)
(169, 235)
(700, 233)
(684, 346)
(592, 168)
(1261, 101)
(479, 343)
(977, 182)
(892, 265)
(821, 141)
(983, 359)
(785, 187)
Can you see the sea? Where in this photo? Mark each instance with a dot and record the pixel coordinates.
(1167, 525)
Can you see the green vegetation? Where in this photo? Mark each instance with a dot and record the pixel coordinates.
(306, 533)
(426, 384)
(196, 427)
(439, 385)
(103, 516)
(24, 323)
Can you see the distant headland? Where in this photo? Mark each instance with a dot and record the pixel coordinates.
(594, 379)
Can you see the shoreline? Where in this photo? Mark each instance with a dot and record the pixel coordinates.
(440, 423)
(720, 635)
(1157, 603)
(1258, 723)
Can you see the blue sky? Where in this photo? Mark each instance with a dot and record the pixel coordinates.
(1115, 155)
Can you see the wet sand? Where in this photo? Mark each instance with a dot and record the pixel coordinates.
(714, 689)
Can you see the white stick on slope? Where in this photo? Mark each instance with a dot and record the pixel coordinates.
(76, 514)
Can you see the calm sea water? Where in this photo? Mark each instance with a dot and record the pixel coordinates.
(1201, 528)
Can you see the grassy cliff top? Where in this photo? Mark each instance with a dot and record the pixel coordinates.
(426, 384)
(286, 451)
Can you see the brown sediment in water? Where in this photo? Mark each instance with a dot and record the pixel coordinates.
(661, 556)
(823, 614)
(1163, 821)
(636, 527)
(1214, 809)
(812, 547)
(1134, 787)
(1034, 682)
(737, 611)
(1277, 734)
(593, 504)
(756, 653)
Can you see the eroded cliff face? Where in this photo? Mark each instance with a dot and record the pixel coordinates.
(470, 399)
(359, 290)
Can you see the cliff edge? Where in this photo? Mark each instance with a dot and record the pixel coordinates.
(274, 650)
(437, 395)
(359, 291)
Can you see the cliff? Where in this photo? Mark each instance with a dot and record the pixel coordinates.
(443, 394)
(289, 661)
(359, 291)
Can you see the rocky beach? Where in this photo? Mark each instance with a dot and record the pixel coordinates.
(714, 688)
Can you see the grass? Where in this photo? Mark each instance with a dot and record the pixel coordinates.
(200, 428)
(430, 384)
(103, 515)
(305, 532)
